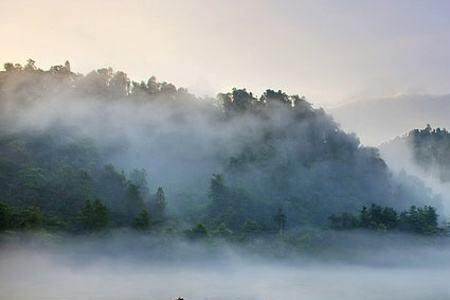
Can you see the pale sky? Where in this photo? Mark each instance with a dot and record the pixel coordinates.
(329, 51)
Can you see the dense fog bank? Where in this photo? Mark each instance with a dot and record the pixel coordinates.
(103, 268)
(357, 247)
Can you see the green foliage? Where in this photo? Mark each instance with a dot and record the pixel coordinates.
(379, 217)
(6, 215)
(293, 154)
(417, 220)
(139, 178)
(160, 204)
(431, 148)
(218, 194)
(56, 174)
(228, 206)
(142, 221)
(29, 218)
(133, 201)
(94, 216)
(280, 220)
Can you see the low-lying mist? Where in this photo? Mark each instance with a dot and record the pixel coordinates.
(274, 151)
(422, 153)
(101, 268)
(267, 198)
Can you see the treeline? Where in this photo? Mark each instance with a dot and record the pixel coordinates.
(29, 83)
(62, 177)
(421, 220)
(279, 162)
(57, 183)
(12, 218)
(431, 150)
(94, 216)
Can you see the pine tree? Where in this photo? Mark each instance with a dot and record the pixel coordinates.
(142, 220)
(94, 216)
(160, 204)
(281, 220)
(218, 195)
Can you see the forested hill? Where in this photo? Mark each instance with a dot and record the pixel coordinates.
(86, 152)
(428, 149)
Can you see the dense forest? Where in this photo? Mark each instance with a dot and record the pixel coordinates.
(431, 150)
(84, 153)
(418, 220)
(426, 149)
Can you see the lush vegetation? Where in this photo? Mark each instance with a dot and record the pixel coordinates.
(431, 150)
(71, 186)
(290, 166)
(416, 220)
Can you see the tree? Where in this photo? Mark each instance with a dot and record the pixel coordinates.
(420, 220)
(30, 65)
(9, 67)
(364, 218)
(26, 219)
(378, 217)
(279, 97)
(134, 202)
(142, 220)
(119, 84)
(94, 216)
(153, 87)
(139, 178)
(160, 203)
(218, 194)
(5, 216)
(67, 66)
(29, 218)
(280, 219)
(390, 218)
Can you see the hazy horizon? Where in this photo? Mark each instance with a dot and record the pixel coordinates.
(331, 52)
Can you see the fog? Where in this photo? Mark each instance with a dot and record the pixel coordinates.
(96, 270)
(181, 140)
(398, 154)
(114, 189)
(139, 135)
(275, 150)
(379, 120)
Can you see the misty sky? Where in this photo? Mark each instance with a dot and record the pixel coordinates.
(329, 51)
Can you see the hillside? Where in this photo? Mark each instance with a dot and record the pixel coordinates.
(237, 162)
